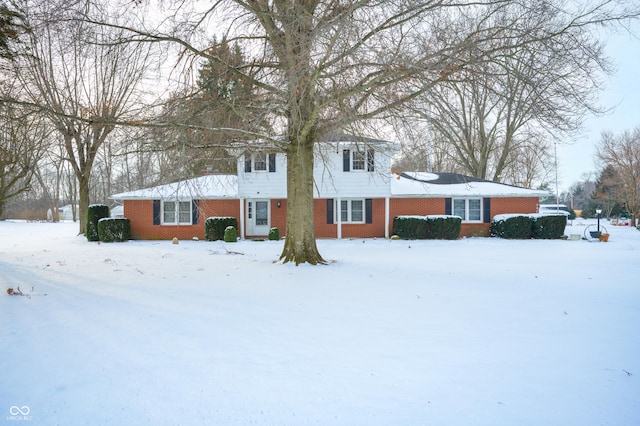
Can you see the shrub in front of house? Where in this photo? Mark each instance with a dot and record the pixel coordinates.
(427, 227)
(513, 227)
(94, 214)
(549, 227)
(526, 226)
(214, 227)
(274, 234)
(112, 229)
(409, 227)
(443, 227)
(230, 235)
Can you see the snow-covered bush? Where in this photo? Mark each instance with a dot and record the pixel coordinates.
(427, 227)
(512, 226)
(230, 235)
(94, 214)
(526, 226)
(274, 234)
(112, 229)
(214, 227)
(549, 227)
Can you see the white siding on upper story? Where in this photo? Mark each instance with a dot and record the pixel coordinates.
(263, 184)
(331, 181)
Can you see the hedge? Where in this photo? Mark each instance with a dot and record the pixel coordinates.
(214, 227)
(549, 227)
(528, 226)
(114, 229)
(514, 227)
(427, 227)
(94, 214)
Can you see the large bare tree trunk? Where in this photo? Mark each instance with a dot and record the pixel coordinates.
(300, 243)
(83, 202)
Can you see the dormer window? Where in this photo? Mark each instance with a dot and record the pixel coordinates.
(259, 162)
(358, 160)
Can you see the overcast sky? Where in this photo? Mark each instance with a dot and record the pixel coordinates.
(622, 93)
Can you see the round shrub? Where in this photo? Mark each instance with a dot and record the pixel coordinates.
(274, 234)
(230, 234)
(214, 227)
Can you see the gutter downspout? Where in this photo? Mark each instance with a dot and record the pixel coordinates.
(386, 217)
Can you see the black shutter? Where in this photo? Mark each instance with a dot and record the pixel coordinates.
(346, 160)
(370, 160)
(447, 206)
(486, 210)
(195, 212)
(330, 211)
(272, 163)
(156, 212)
(247, 163)
(368, 210)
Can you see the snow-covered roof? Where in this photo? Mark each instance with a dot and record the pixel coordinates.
(454, 185)
(203, 187)
(409, 184)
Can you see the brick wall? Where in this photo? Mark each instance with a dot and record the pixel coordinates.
(140, 213)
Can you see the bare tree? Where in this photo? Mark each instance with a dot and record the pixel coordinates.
(621, 153)
(322, 66)
(84, 79)
(22, 144)
(494, 118)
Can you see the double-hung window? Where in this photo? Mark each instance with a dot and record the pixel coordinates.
(358, 160)
(352, 211)
(259, 162)
(176, 212)
(469, 209)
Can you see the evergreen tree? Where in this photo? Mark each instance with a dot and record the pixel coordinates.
(221, 99)
(607, 194)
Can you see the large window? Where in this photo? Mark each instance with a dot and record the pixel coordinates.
(176, 212)
(469, 209)
(351, 211)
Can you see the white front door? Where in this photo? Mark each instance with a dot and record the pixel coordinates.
(258, 217)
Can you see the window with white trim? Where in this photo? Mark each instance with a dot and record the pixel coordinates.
(469, 209)
(358, 160)
(176, 212)
(351, 211)
(260, 162)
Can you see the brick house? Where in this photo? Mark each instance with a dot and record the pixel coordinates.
(356, 195)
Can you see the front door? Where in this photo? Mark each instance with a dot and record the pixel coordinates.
(258, 217)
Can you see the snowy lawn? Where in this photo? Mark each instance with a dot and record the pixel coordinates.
(478, 331)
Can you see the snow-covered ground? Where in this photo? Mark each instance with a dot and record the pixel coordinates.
(478, 331)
